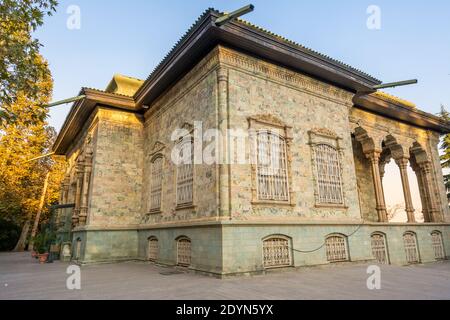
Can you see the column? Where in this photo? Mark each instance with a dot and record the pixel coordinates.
(85, 189)
(433, 206)
(423, 195)
(79, 177)
(374, 157)
(403, 165)
(224, 165)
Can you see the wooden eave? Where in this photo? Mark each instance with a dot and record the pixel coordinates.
(82, 109)
(401, 113)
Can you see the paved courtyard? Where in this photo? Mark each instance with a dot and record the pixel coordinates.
(21, 277)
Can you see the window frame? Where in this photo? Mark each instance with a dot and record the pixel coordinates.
(149, 240)
(418, 260)
(441, 239)
(191, 204)
(289, 248)
(317, 138)
(178, 241)
(155, 158)
(346, 247)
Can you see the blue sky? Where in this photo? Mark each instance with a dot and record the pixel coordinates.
(131, 37)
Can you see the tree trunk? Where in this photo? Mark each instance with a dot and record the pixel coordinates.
(21, 244)
(38, 214)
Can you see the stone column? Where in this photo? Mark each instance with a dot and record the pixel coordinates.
(374, 157)
(433, 211)
(403, 165)
(79, 177)
(85, 189)
(423, 195)
(224, 165)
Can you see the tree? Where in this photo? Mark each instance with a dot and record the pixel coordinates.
(21, 66)
(21, 180)
(445, 147)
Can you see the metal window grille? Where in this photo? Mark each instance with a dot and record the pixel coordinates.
(272, 173)
(438, 247)
(328, 171)
(379, 249)
(336, 248)
(184, 252)
(410, 243)
(153, 249)
(156, 184)
(276, 253)
(185, 177)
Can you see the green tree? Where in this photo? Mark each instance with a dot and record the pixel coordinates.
(22, 180)
(21, 66)
(445, 147)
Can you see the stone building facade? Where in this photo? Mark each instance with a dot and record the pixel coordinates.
(307, 189)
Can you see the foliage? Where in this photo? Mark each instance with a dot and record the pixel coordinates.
(9, 234)
(43, 240)
(26, 138)
(21, 66)
(445, 147)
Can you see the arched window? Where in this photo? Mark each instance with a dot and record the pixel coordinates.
(153, 249)
(438, 246)
(156, 183)
(328, 174)
(336, 248)
(78, 249)
(411, 251)
(184, 251)
(272, 173)
(379, 248)
(276, 252)
(185, 173)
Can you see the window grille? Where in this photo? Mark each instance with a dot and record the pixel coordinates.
(379, 249)
(156, 184)
(438, 247)
(78, 250)
(336, 248)
(272, 173)
(185, 176)
(153, 249)
(410, 243)
(184, 252)
(276, 253)
(328, 171)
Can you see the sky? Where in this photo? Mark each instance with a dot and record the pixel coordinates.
(131, 37)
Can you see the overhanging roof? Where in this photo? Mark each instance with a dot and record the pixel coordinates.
(395, 109)
(82, 109)
(241, 35)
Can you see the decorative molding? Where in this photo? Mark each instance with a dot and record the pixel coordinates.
(266, 69)
(158, 147)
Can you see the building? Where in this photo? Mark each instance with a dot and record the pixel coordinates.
(309, 191)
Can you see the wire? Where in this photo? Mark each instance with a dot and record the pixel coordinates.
(324, 243)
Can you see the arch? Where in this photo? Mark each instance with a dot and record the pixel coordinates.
(184, 251)
(277, 251)
(153, 248)
(438, 245)
(411, 247)
(336, 247)
(380, 250)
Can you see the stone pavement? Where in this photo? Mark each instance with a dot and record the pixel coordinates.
(21, 277)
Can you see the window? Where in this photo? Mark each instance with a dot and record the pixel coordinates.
(153, 249)
(328, 174)
(78, 249)
(185, 174)
(184, 252)
(156, 184)
(379, 249)
(410, 243)
(272, 174)
(276, 252)
(336, 248)
(438, 247)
